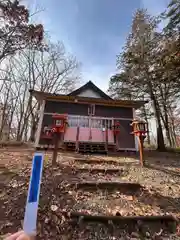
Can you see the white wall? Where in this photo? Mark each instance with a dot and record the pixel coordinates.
(89, 93)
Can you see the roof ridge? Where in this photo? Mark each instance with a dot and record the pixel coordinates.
(93, 86)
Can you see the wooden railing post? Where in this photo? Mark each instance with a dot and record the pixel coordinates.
(106, 137)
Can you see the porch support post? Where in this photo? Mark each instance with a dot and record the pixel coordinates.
(135, 137)
(41, 115)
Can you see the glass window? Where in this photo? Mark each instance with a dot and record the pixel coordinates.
(73, 121)
(96, 123)
(107, 123)
(83, 122)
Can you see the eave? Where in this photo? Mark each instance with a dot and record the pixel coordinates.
(85, 100)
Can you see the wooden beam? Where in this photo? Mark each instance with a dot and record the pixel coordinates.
(93, 117)
(91, 100)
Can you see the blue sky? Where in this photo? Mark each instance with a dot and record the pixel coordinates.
(93, 30)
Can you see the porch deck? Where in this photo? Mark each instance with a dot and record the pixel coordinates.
(88, 135)
(93, 133)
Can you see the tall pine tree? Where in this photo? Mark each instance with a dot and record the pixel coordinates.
(173, 15)
(138, 61)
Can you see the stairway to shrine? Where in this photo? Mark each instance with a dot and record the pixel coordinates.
(100, 199)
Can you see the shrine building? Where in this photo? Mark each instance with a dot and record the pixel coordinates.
(95, 121)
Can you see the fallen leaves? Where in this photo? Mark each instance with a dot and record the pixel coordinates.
(54, 208)
(128, 198)
(57, 196)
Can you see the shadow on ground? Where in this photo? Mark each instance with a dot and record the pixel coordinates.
(164, 170)
(168, 205)
(54, 192)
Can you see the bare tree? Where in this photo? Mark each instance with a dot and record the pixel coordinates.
(16, 33)
(50, 70)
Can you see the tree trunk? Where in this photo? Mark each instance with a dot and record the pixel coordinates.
(35, 120)
(33, 131)
(20, 123)
(165, 120)
(168, 135)
(160, 138)
(172, 130)
(146, 119)
(173, 135)
(26, 133)
(24, 125)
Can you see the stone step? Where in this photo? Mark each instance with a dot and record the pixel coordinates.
(140, 223)
(101, 170)
(96, 161)
(123, 187)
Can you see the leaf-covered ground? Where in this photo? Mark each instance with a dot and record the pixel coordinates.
(160, 194)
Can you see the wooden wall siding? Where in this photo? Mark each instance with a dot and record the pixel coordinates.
(126, 139)
(47, 120)
(119, 112)
(69, 108)
(82, 109)
(46, 142)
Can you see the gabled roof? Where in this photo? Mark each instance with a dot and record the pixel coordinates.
(90, 85)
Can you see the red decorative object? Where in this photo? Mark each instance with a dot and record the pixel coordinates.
(140, 130)
(59, 123)
(54, 130)
(58, 129)
(140, 133)
(47, 133)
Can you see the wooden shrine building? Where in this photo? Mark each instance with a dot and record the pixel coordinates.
(91, 117)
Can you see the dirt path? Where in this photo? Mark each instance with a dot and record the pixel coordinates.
(65, 190)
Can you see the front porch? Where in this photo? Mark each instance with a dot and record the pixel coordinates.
(93, 134)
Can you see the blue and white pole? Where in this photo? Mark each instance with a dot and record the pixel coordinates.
(31, 210)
